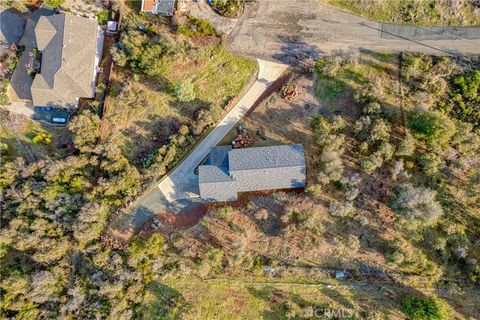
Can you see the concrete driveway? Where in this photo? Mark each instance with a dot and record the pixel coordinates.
(182, 183)
(290, 31)
(179, 190)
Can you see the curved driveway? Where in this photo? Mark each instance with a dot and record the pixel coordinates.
(289, 32)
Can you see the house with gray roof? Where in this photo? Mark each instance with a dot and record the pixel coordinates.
(230, 171)
(71, 48)
(160, 7)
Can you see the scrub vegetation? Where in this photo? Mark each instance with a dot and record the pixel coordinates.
(419, 12)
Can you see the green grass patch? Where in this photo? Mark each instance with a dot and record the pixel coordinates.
(330, 88)
(144, 102)
(195, 27)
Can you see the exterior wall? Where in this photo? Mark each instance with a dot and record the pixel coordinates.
(98, 57)
(269, 179)
(253, 180)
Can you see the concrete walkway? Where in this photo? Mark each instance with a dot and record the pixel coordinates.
(182, 183)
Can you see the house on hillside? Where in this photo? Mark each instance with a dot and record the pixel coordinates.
(70, 48)
(160, 7)
(230, 171)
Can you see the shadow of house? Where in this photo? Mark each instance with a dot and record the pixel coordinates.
(53, 114)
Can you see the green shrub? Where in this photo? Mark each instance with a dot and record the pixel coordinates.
(184, 91)
(415, 207)
(54, 3)
(465, 98)
(104, 16)
(434, 127)
(228, 8)
(196, 27)
(42, 137)
(425, 308)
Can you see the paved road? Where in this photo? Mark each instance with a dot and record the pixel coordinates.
(290, 31)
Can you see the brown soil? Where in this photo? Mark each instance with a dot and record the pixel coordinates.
(185, 219)
(204, 41)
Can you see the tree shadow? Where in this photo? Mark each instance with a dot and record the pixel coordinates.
(295, 52)
(281, 304)
(153, 134)
(189, 108)
(163, 302)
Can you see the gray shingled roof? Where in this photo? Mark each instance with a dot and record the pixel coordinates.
(68, 44)
(266, 157)
(251, 169)
(212, 173)
(165, 7)
(219, 156)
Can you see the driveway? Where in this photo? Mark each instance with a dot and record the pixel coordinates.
(290, 31)
(21, 81)
(182, 183)
(178, 191)
(203, 10)
(12, 24)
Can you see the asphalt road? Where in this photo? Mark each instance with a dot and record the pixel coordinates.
(292, 31)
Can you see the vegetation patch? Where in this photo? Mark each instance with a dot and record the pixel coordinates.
(8, 62)
(169, 90)
(196, 27)
(421, 12)
(228, 8)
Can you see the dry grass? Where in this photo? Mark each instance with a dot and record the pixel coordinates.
(141, 103)
(421, 12)
(264, 298)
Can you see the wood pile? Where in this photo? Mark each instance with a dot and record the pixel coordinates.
(289, 92)
(244, 141)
